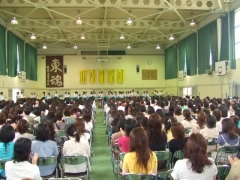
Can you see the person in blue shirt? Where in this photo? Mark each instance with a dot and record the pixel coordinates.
(7, 134)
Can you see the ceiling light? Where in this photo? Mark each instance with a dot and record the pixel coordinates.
(158, 47)
(129, 22)
(33, 36)
(171, 38)
(44, 46)
(78, 21)
(82, 36)
(122, 37)
(192, 23)
(75, 46)
(14, 21)
(129, 47)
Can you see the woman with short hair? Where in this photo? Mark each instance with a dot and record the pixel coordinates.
(196, 164)
(44, 147)
(140, 159)
(20, 168)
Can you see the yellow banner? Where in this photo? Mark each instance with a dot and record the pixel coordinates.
(92, 76)
(111, 75)
(83, 76)
(102, 75)
(120, 75)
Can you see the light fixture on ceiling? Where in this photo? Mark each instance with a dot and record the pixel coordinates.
(78, 21)
(82, 36)
(129, 22)
(44, 46)
(158, 47)
(171, 38)
(122, 37)
(192, 23)
(129, 46)
(14, 21)
(75, 46)
(32, 37)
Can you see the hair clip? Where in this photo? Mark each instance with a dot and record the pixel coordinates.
(74, 133)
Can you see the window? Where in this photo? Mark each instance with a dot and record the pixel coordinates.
(237, 34)
(187, 91)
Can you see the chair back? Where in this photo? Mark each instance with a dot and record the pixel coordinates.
(211, 141)
(224, 152)
(130, 176)
(74, 160)
(178, 155)
(164, 156)
(168, 175)
(44, 161)
(61, 133)
(223, 171)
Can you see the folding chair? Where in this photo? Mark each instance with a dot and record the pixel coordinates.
(168, 175)
(224, 152)
(212, 145)
(68, 163)
(46, 161)
(130, 176)
(120, 159)
(223, 171)
(114, 158)
(178, 155)
(163, 156)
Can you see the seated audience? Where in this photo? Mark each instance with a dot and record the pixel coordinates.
(20, 168)
(140, 159)
(44, 147)
(201, 121)
(7, 135)
(22, 130)
(196, 164)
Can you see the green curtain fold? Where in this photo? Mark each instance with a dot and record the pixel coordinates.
(20, 43)
(182, 54)
(191, 54)
(224, 54)
(171, 62)
(31, 62)
(232, 40)
(2, 51)
(207, 40)
(12, 54)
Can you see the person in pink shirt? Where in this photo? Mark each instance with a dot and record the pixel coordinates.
(123, 142)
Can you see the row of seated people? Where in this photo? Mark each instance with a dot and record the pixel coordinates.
(44, 137)
(168, 130)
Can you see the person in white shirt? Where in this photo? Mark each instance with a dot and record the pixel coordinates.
(56, 94)
(34, 95)
(188, 121)
(66, 95)
(20, 168)
(76, 95)
(21, 95)
(196, 164)
(49, 96)
(1, 96)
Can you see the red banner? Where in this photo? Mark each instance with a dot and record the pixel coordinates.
(54, 71)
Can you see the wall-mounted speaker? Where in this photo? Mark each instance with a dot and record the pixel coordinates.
(65, 69)
(137, 69)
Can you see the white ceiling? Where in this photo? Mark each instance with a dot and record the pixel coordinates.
(53, 21)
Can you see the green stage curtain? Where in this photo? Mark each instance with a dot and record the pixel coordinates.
(191, 54)
(171, 63)
(31, 62)
(12, 54)
(20, 43)
(214, 43)
(182, 54)
(2, 51)
(232, 40)
(224, 55)
(207, 40)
